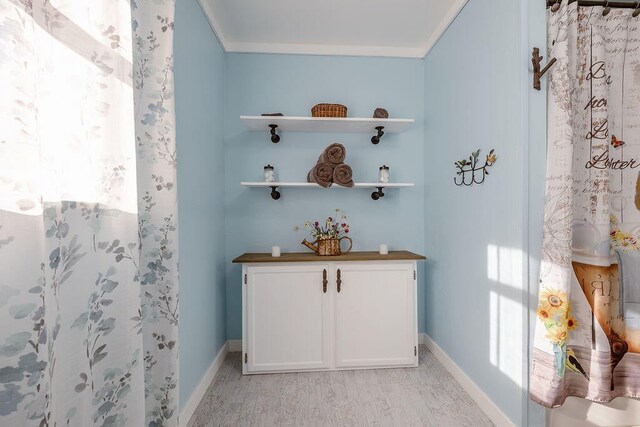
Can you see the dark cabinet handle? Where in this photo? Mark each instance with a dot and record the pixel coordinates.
(339, 281)
(324, 281)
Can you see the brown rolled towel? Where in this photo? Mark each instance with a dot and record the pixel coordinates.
(343, 175)
(321, 174)
(333, 154)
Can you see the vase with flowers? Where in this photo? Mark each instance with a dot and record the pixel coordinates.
(328, 235)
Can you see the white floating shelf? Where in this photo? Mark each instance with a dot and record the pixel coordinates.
(314, 185)
(378, 186)
(326, 124)
(275, 124)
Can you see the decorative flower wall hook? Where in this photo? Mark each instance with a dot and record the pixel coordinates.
(469, 172)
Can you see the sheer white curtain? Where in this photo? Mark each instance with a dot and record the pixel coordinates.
(88, 239)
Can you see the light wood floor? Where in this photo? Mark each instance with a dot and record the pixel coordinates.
(423, 396)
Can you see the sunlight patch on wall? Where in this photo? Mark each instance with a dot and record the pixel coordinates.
(505, 265)
(505, 336)
(506, 312)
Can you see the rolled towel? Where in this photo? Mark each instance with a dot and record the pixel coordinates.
(321, 174)
(333, 154)
(343, 175)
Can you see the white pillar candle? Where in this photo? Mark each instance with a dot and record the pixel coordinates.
(275, 251)
(384, 249)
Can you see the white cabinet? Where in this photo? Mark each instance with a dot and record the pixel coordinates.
(375, 315)
(311, 316)
(287, 318)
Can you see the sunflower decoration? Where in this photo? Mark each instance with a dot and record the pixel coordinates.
(572, 323)
(554, 301)
(619, 239)
(554, 312)
(623, 241)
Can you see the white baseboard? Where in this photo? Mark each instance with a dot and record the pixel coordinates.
(235, 345)
(488, 407)
(422, 338)
(198, 394)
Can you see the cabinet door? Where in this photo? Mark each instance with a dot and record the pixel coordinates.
(375, 315)
(287, 315)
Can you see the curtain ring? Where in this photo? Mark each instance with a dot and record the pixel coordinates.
(606, 9)
(556, 6)
(636, 11)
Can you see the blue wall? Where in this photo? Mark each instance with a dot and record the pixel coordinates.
(470, 92)
(199, 87)
(535, 175)
(292, 85)
(475, 97)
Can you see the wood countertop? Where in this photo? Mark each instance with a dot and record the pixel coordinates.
(250, 258)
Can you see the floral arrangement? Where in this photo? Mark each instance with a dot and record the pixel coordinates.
(332, 228)
(555, 313)
(620, 239)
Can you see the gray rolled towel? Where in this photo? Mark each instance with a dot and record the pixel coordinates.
(333, 154)
(321, 174)
(343, 175)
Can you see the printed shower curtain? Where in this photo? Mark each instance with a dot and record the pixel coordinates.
(88, 244)
(587, 340)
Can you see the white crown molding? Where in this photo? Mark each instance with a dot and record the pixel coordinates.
(333, 50)
(456, 7)
(213, 23)
(324, 49)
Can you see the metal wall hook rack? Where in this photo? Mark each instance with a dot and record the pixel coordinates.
(470, 171)
(537, 72)
(378, 193)
(275, 138)
(375, 139)
(275, 194)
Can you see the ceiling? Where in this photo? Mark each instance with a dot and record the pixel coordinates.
(398, 28)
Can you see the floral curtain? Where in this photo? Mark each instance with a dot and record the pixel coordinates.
(88, 243)
(587, 340)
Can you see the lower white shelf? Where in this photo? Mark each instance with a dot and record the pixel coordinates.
(376, 195)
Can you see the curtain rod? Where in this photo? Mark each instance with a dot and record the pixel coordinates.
(587, 3)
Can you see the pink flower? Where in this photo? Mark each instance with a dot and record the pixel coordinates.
(316, 223)
(346, 231)
(344, 225)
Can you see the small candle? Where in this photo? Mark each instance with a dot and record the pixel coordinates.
(275, 251)
(384, 249)
(383, 175)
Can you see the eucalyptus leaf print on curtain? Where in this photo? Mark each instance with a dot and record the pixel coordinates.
(587, 341)
(157, 205)
(88, 239)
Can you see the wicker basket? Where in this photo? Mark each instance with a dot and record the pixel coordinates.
(329, 110)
